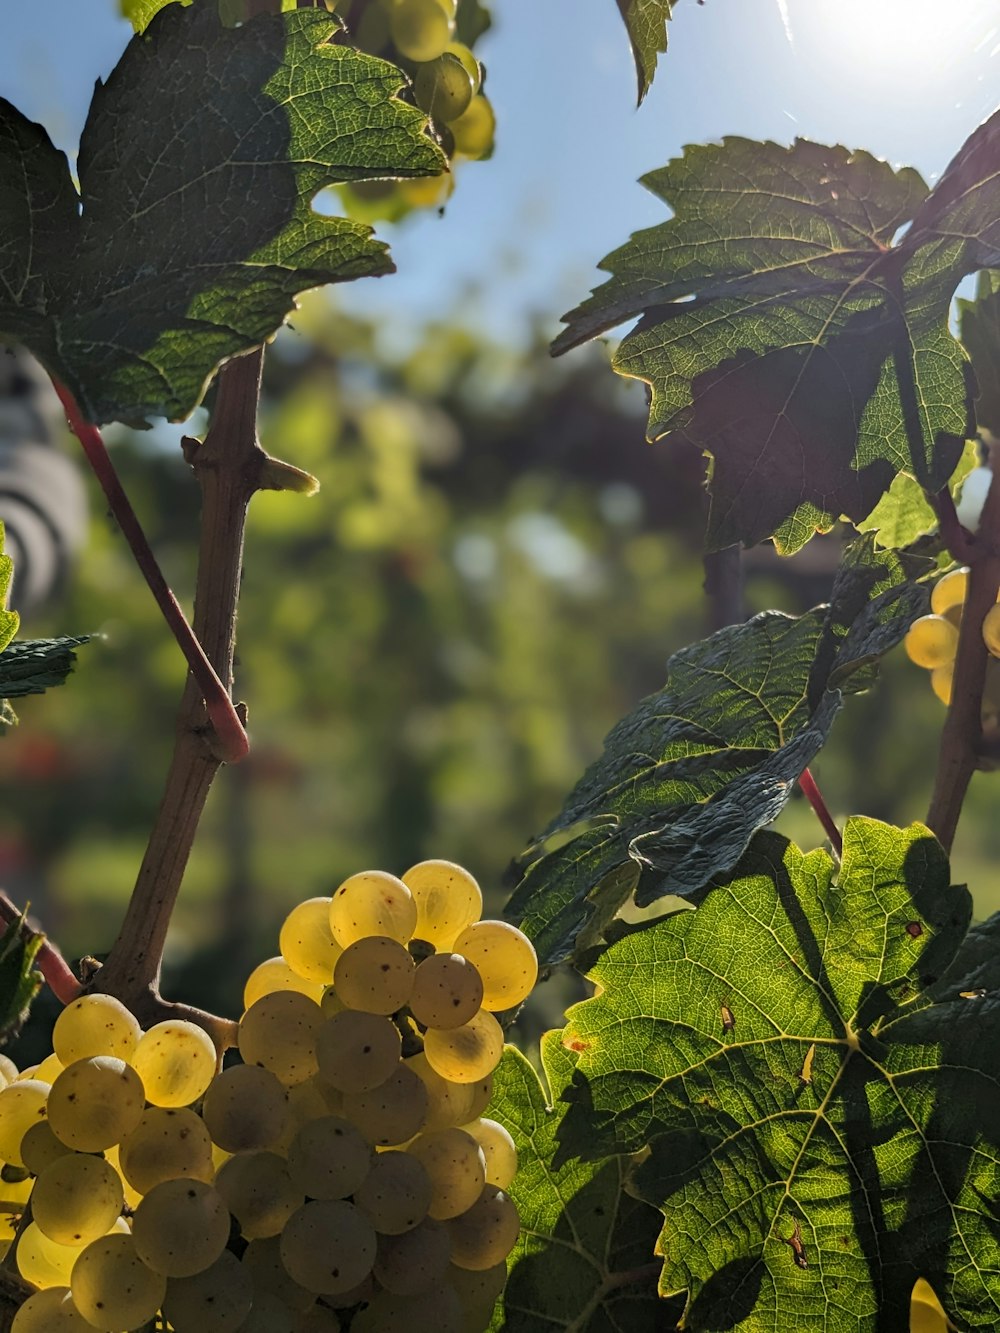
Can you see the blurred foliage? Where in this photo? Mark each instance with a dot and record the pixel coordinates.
(432, 649)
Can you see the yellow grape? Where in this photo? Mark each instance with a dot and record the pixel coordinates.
(448, 899)
(21, 1106)
(259, 1192)
(329, 1159)
(484, 1234)
(435, 1311)
(181, 1227)
(278, 1032)
(306, 943)
(931, 641)
(357, 1051)
(950, 591)
(215, 1300)
(991, 630)
(941, 682)
(505, 959)
(395, 1194)
(447, 991)
(262, 1259)
(475, 128)
(374, 975)
(455, 1163)
(40, 1147)
(926, 1311)
(498, 1149)
(95, 1025)
(112, 1288)
(420, 29)
(468, 1053)
(328, 1246)
(76, 1199)
(167, 1143)
(443, 87)
(413, 1260)
(448, 1103)
(391, 1113)
(176, 1061)
(274, 974)
(372, 902)
(95, 1102)
(50, 1311)
(469, 61)
(245, 1108)
(44, 1262)
(478, 1291)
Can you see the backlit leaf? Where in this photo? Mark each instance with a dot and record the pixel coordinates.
(646, 21)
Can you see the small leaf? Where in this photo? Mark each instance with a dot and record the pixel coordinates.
(812, 1204)
(32, 666)
(646, 22)
(580, 1233)
(688, 777)
(19, 982)
(904, 514)
(194, 230)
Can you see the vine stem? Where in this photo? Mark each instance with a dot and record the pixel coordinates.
(961, 735)
(232, 737)
(814, 796)
(230, 466)
(53, 966)
(960, 542)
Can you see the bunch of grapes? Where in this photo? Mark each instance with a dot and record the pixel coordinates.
(340, 1175)
(421, 36)
(932, 641)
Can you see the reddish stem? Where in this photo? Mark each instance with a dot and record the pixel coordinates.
(960, 542)
(49, 961)
(232, 738)
(814, 796)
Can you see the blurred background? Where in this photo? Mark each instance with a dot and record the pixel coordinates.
(497, 566)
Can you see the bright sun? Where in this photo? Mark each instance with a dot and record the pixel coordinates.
(916, 40)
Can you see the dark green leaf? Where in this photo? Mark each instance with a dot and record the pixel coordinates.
(580, 1233)
(19, 982)
(980, 332)
(32, 666)
(688, 777)
(818, 1141)
(785, 334)
(646, 21)
(198, 166)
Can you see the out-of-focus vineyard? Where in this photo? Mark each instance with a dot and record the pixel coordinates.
(495, 570)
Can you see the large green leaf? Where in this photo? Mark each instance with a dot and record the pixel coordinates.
(788, 332)
(646, 21)
(581, 1262)
(820, 1136)
(688, 777)
(980, 331)
(194, 229)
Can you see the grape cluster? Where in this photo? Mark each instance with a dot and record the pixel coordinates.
(340, 1174)
(932, 641)
(446, 82)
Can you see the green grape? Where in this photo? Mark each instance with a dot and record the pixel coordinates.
(456, 1165)
(478, 1292)
(180, 1227)
(95, 1025)
(941, 682)
(372, 903)
(448, 899)
(270, 1277)
(448, 1104)
(950, 591)
(472, 66)
(50, 1311)
(931, 642)
(505, 959)
(447, 991)
(415, 1260)
(176, 1062)
(468, 1053)
(274, 974)
(40, 1146)
(991, 630)
(44, 1262)
(391, 1113)
(421, 29)
(95, 1102)
(76, 1199)
(475, 128)
(329, 1158)
(21, 1106)
(268, 1314)
(443, 88)
(278, 1033)
(357, 1051)
(328, 1246)
(436, 1311)
(331, 1003)
(259, 1192)
(428, 191)
(216, 1300)
(306, 943)
(306, 1101)
(395, 1194)
(112, 1288)
(245, 1108)
(498, 1149)
(485, 1234)
(166, 1144)
(373, 30)
(374, 975)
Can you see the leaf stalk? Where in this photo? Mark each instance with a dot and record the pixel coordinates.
(810, 790)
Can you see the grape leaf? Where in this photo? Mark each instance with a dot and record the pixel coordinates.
(140, 13)
(689, 776)
(903, 514)
(32, 666)
(19, 982)
(194, 229)
(646, 22)
(580, 1233)
(979, 324)
(9, 620)
(787, 331)
(820, 1135)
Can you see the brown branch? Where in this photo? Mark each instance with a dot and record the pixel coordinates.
(228, 465)
(961, 735)
(49, 961)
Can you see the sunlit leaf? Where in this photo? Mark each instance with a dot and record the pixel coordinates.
(581, 1235)
(688, 777)
(646, 21)
(19, 982)
(903, 514)
(837, 1138)
(194, 229)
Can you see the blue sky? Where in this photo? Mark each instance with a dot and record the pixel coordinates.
(907, 79)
